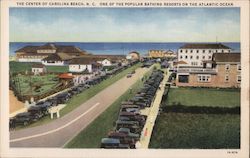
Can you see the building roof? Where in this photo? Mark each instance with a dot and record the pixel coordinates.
(82, 61)
(134, 52)
(57, 57)
(65, 76)
(47, 46)
(59, 49)
(226, 57)
(28, 49)
(205, 46)
(38, 66)
(181, 62)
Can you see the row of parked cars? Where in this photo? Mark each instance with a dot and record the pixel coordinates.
(130, 122)
(41, 109)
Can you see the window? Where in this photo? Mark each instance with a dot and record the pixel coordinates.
(203, 51)
(197, 51)
(197, 57)
(186, 57)
(183, 78)
(209, 51)
(180, 57)
(191, 57)
(191, 51)
(216, 51)
(238, 67)
(181, 50)
(238, 78)
(222, 51)
(186, 51)
(226, 78)
(227, 67)
(209, 57)
(204, 78)
(203, 57)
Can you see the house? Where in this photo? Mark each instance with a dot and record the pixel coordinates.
(84, 65)
(57, 59)
(66, 78)
(37, 53)
(37, 69)
(133, 56)
(194, 54)
(105, 62)
(224, 70)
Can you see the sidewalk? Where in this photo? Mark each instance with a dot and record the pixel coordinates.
(152, 114)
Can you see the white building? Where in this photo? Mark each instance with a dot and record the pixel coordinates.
(195, 54)
(105, 62)
(83, 65)
(58, 59)
(38, 69)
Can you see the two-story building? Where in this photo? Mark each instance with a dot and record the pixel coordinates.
(195, 54)
(224, 70)
(37, 53)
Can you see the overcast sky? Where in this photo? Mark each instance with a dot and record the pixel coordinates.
(124, 25)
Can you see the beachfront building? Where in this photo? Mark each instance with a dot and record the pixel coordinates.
(161, 54)
(195, 54)
(37, 69)
(37, 53)
(57, 59)
(133, 56)
(223, 70)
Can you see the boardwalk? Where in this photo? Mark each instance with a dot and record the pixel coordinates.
(152, 113)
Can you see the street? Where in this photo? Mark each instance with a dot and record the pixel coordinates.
(57, 133)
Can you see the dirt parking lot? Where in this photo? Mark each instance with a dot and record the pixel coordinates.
(14, 103)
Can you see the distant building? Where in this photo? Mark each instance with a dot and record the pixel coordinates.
(57, 59)
(37, 53)
(224, 70)
(162, 54)
(133, 56)
(37, 69)
(84, 65)
(12, 58)
(195, 54)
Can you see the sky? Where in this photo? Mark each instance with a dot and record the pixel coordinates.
(124, 24)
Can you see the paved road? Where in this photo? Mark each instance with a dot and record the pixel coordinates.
(152, 114)
(57, 133)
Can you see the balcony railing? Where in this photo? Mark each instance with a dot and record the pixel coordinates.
(196, 70)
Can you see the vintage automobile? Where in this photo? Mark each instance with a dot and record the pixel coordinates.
(24, 118)
(112, 143)
(124, 139)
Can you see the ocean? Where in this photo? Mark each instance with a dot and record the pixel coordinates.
(116, 48)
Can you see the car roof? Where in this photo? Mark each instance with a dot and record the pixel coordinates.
(110, 141)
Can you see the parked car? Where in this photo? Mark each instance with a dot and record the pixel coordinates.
(124, 139)
(129, 75)
(130, 134)
(24, 118)
(38, 110)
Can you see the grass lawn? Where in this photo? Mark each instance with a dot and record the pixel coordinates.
(203, 97)
(57, 69)
(26, 66)
(26, 84)
(186, 131)
(79, 99)
(91, 136)
(19, 66)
